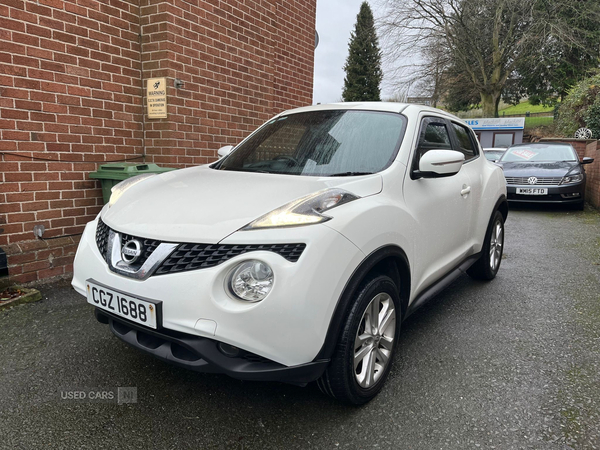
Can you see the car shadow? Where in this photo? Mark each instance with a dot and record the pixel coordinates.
(545, 207)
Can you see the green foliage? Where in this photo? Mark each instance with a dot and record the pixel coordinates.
(457, 99)
(523, 107)
(513, 91)
(546, 74)
(535, 122)
(460, 94)
(363, 65)
(592, 119)
(580, 108)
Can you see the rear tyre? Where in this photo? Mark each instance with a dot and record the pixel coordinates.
(363, 356)
(486, 267)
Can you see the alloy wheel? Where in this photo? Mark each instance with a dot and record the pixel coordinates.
(374, 340)
(496, 242)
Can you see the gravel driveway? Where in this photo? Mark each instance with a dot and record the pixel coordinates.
(510, 364)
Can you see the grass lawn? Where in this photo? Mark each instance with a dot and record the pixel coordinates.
(523, 107)
(534, 122)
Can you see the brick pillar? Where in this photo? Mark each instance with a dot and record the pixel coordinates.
(592, 171)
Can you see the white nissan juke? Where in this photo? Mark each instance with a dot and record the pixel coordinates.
(298, 254)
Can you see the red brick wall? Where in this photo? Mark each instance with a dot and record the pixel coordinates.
(72, 96)
(240, 62)
(587, 148)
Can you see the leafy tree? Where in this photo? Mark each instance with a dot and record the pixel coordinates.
(487, 40)
(460, 94)
(546, 74)
(363, 65)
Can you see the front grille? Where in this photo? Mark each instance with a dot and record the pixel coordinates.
(194, 256)
(102, 238)
(148, 246)
(542, 181)
(201, 256)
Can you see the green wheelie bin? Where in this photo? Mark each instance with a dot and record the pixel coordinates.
(113, 173)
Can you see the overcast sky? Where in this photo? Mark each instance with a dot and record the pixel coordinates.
(335, 21)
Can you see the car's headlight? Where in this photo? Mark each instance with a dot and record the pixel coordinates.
(118, 189)
(304, 211)
(251, 280)
(570, 179)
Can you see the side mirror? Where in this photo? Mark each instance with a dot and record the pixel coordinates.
(439, 163)
(224, 151)
(587, 160)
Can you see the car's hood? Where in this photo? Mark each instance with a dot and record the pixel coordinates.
(537, 169)
(204, 205)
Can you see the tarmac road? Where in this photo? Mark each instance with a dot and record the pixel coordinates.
(510, 364)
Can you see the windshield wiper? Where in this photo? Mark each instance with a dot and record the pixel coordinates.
(349, 174)
(243, 169)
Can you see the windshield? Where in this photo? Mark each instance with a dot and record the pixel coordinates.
(539, 153)
(493, 155)
(321, 143)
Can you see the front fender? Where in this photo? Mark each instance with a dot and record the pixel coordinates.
(493, 198)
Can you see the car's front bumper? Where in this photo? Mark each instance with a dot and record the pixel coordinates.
(568, 193)
(288, 327)
(203, 355)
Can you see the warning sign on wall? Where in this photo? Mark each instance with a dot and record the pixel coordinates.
(156, 98)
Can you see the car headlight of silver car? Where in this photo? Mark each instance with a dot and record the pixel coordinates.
(303, 211)
(119, 189)
(573, 178)
(251, 280)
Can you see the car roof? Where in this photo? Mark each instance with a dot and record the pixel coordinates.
(374, 106)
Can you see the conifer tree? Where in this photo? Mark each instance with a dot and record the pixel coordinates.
(363, 65)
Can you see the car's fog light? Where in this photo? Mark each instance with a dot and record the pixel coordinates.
(229, 350)
(251, 281)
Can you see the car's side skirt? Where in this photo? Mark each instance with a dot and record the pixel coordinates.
(441, 284)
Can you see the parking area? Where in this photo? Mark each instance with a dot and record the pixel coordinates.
(514, 363)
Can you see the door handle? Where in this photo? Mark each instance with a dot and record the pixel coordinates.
(465, 190)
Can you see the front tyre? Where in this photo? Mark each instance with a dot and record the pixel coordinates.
(486, 267)
(363, 356)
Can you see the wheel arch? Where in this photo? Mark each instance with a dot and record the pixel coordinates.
(388, 260)
(502, 206)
